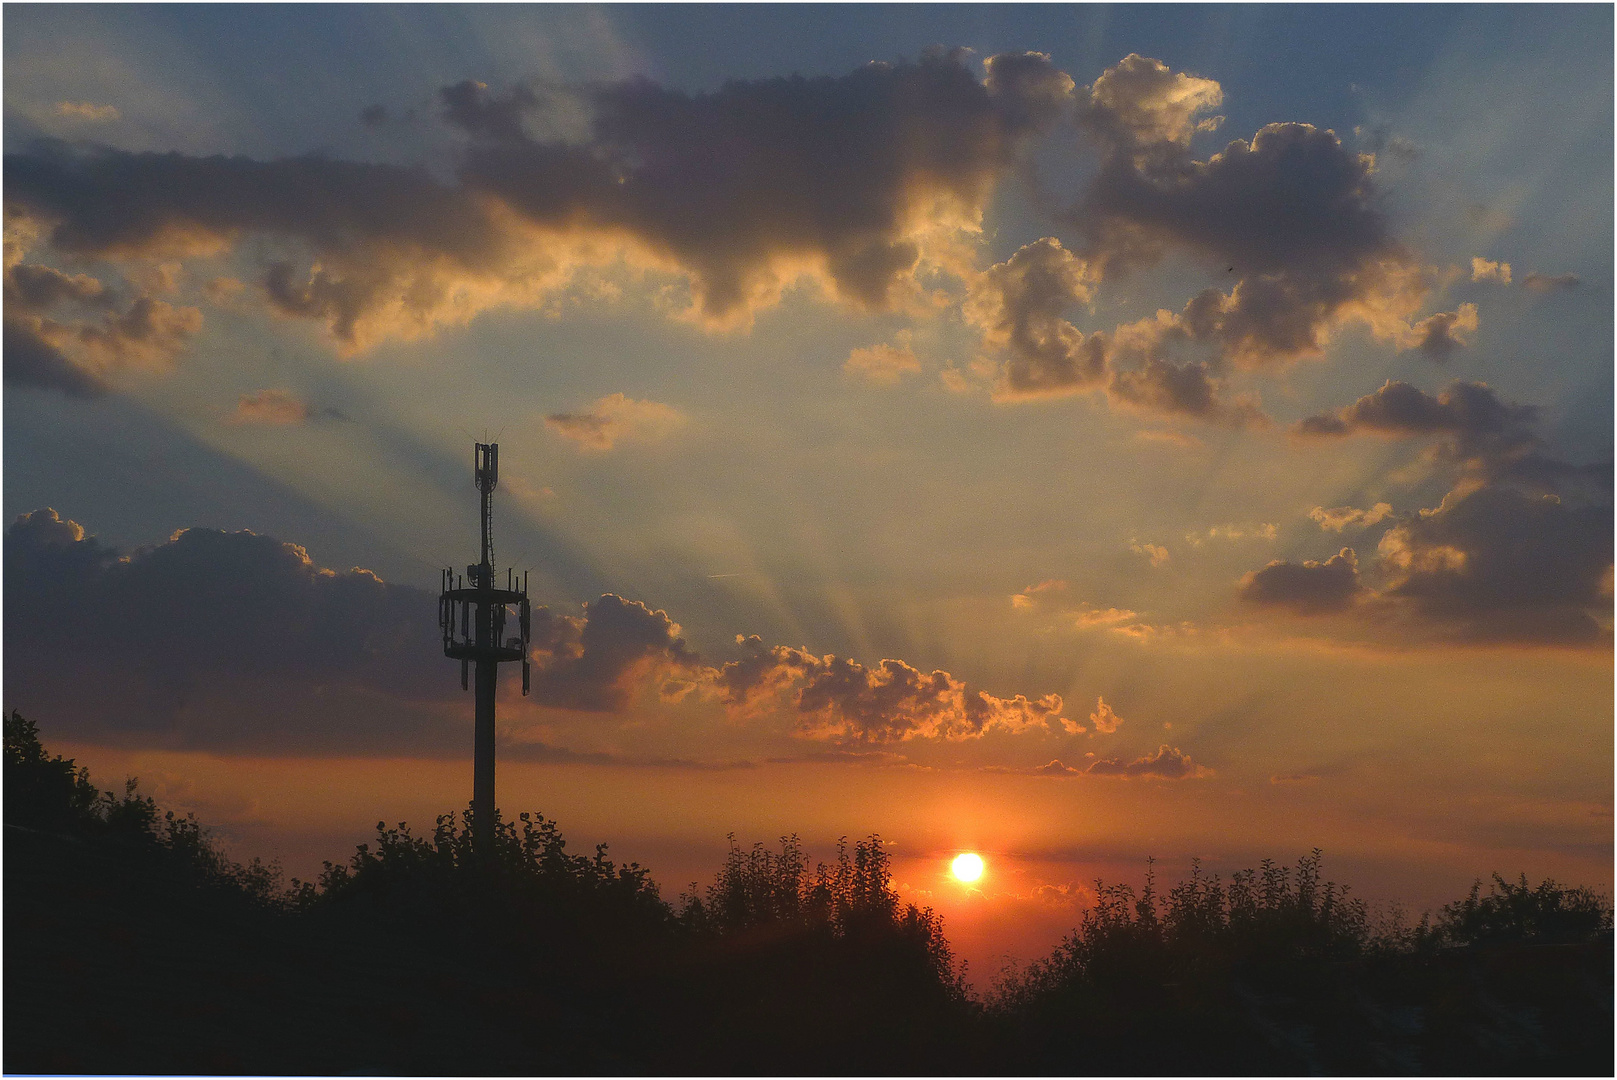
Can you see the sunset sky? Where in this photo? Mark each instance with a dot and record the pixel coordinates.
(1069, 434)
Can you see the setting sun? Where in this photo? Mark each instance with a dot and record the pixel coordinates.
(968, 867)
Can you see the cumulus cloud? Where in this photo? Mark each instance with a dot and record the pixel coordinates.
(1487, 270)
(601, 660)
(1105, 720)
(1439, 335)
(740, 190)
(1168, 763)
(615, 418)
(65, 331)
(883, 364)
(1499, 563)
(218, 639)
(1156, 553)
(1548, 283)
(1018, 305)
(1140, 103)
(1307, 588)
(272, 407)
(1345, 517)
(1519, 550)
(1475, 424)
(841, 700)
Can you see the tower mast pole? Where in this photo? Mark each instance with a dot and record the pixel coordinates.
(488, 667)
(473, 616)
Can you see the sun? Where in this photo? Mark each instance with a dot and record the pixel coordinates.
(967, 867)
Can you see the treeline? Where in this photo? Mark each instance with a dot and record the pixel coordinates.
(134, 945)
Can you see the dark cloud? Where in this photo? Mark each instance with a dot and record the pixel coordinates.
(373, 115)
(1018, 305)
(1308, 588)
(1167, 763)
(1498, 563)
(600, 661)
(1187, 389)
(225, 640)
(842, 700)
(741, 189)
(1439, 335)
(1492, 440)
(1548, 283)
(839, 172)
(1520, 550)
(31, 360)
(1292, 213)
(64, 331)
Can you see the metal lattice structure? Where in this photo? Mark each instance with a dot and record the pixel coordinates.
(473, 617)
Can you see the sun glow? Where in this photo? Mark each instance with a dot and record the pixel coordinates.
(967, 867)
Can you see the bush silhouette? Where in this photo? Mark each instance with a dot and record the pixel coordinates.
(134, 944)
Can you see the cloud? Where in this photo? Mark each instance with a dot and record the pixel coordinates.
(1548, 283)
(1497, 563)
(64, 331)
(741, 191)
(1056, 768)
(1344, 517)
(1167, 763)
(748, 186)
(217, 639)
(615, 418)
(1308, 588)
(1087, 617)
(883, 364)
(1105, 720)
(1469, 416)
(1155, 552)
(1441, 334)
(33, 360)
(1519, 550)
(1262, 531)
(602, 660)
(1292, 213)
(1485, 270)
(1034, 594)
(272, 407)
(1017, 305)
(1139, 103)
(843, 701)
(87, 111)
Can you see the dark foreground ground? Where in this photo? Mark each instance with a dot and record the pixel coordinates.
(133, 947)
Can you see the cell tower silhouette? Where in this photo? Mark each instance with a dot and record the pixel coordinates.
(473, 619)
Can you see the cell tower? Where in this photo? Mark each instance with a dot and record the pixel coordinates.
(473, 618)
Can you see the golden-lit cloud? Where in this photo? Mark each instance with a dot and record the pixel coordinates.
(1156, 553)
(270, 407)
(1488, 270)
(1018, 305)
(1106, 721)
(1167, 763)
(1345, 517)
(841, 700)
(854, 182)
(87, 111)
(614, 419)
(883, 364)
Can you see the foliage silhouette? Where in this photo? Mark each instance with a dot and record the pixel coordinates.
(135, 945)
